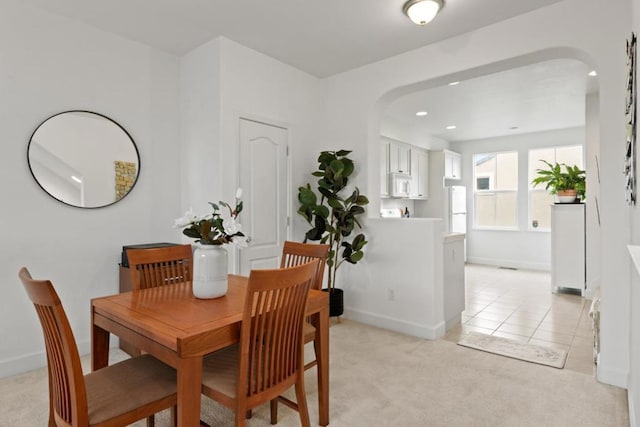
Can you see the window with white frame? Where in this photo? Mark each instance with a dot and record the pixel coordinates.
(495, 190)
(539, 197)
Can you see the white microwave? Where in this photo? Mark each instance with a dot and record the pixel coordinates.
(399, 184)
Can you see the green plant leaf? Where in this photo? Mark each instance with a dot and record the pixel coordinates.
(349, 167)
(335, 203)
(342, 153)
(358, 242)
(318, 230)
(306, 212)
(322, 211)
(356, 210)
(325, 184)
(191, 232)
(306, 196)
(347, 251)
(326, 193)
(362, 201)
(325, 158)
(356, 256)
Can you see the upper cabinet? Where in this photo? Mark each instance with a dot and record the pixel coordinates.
(419, 174)
(399, 157)
(452, 165)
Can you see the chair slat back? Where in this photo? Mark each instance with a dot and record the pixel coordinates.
(295, 253)
(271, 343)
(160, 266)
(66, 381)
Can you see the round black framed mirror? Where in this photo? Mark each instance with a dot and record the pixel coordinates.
(83, 159)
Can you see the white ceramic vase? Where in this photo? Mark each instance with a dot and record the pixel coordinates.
(209, 271)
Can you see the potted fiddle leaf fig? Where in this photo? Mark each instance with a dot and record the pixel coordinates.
(332, 210)
(568, 185)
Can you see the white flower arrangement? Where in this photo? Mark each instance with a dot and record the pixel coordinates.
(213, 229)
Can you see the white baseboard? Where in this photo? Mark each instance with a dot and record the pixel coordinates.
(31, 361)
(25, 363)
(509, 263)
(397, 325)
(613, 377)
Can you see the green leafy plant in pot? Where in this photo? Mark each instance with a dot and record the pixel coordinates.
(333, 214)
(567, 185)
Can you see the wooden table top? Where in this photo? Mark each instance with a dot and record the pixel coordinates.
(171, 316)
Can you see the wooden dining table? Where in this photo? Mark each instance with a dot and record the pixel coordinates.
(169, 323)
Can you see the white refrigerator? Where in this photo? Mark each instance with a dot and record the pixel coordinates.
(456, 209)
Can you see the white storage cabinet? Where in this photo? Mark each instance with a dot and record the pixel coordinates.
(568, 247)
(419, 174)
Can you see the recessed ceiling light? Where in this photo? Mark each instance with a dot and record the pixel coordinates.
(451, 127)
(593, 73)
(454, 83)
(76, 179)
(421, 113)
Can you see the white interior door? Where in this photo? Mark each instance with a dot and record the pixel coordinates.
(263, 179)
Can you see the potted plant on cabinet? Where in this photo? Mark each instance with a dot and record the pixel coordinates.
(568, 185)
(333, 215)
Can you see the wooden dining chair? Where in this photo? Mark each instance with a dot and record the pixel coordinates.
(295, 253)
(117, 395)
(160, 266)
(270, 356)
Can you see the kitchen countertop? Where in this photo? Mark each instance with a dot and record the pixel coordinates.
(452, 237)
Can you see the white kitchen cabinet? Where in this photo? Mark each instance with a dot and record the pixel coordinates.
(384, 170)
(399, 157)
(453, 278)
(568, 247)
(452, 165)
(419, 174)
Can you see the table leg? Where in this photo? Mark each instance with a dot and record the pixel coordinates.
(189, 372)
(323, 366)
(99, 346)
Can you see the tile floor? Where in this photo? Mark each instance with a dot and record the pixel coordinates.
(518, 304)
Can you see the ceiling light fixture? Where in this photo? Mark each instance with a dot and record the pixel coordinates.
(422, 12)
(421, 113)
(451, 127)
(454, 83)
(593, 73)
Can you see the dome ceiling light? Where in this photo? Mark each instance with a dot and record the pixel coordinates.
(422, 12)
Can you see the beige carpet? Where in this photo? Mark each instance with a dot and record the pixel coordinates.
(514, 349)
(380, 378)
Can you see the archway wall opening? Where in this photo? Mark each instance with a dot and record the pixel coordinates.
(578, 29)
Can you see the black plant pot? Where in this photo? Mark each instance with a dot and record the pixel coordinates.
(336, 302)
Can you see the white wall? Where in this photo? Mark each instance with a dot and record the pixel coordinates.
(261, 88)
(415, 280)
(634, 374)
(51, 64)
(579, 29)
(223, 81)
(523, 248)
(592, 166)
(200, 105)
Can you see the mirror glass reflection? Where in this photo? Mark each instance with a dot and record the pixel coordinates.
(83, 159)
